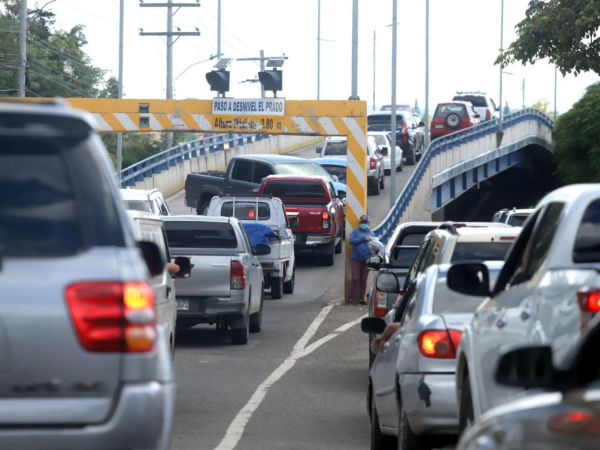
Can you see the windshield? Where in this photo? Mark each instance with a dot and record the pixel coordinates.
(139, 205)
(246, 210)
(336, 148)
(295, 189)
(480, 251)
(385, 119)
(200, 235)
(339, 171)
(308, 168)
(517, 220)
(445, 110)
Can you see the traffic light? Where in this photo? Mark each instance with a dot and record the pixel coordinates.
(218, 80)
(271, 80)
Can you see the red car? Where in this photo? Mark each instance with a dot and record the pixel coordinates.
(315, 213)
(452, 116)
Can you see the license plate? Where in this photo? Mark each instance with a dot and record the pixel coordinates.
(183, 305)
(439, 126)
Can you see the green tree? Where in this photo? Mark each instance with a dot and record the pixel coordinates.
(564, 31)
(578, 140)
(542, 105)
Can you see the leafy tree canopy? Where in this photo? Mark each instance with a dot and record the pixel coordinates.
(564, 31)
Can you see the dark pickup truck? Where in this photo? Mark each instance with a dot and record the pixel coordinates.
(244, 175)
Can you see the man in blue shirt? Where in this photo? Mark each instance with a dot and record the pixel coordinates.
(361, 241)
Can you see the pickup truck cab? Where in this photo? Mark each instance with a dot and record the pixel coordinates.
(316, 213)
(279, 266)
(245, 174)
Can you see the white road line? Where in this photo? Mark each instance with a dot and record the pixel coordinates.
(236, 428)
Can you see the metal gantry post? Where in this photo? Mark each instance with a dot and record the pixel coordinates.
(354, 95)
(426, 73)
(169, 137)
(120, 88)
(219, 30)
(394, 62)
(262, 69)
(374, 66)
(501, 64)
(22, 49)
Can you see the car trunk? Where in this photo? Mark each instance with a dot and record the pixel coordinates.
(211, 274)
(48, 378)
(309, 217)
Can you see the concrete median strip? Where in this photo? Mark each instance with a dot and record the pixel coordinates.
(236, 428)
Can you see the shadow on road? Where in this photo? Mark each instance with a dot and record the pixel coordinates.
(202, 336)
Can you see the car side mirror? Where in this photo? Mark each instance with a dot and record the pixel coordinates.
(155, 261)
(421, 124)
(262, 250)
(387, 282)
(372, 325)
(373, 263)
(471, 279)
(185, 267)
(530, 367)
(319, 149)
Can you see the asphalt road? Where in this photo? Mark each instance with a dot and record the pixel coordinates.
(299, 384)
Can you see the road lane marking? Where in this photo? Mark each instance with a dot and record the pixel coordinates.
(236, 428)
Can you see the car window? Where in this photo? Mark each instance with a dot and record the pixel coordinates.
(447, 301)
(430, 259)
(336, 148)
(303, 168)
(164, 209)
(403, 256)
(246, 210)
(39, 214)
(139, 205)
(339, 171)
(381, 140)
(295, 189)
(477, 101)
(331, 191)
(517, 220)
(385, 120)
(587, 241)
(261, 171)
(446, 109)
(153, 232)
(194, 234)
(480, 251)
(242, 170)
(156, 207)
(412, 238)
(418, 258)
(411, 302)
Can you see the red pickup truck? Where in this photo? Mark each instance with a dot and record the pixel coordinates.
(316, 214)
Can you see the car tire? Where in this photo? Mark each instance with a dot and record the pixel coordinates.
(387, 172)
(288, 286)
(203, 210)
(453, 121)
(466, 412)
(379, 441)
(410, 159)
(276, 287)
(328, 254)
(340, 245)
(375, 190)
(407, 439)
(382, 182)
(401, 166)
(256, 318)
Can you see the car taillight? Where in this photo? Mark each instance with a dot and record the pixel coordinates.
(110, 316)
(326, 220)
(589, 300)
(575, 422)
(238, 276)
(439, 343)
(251, 214)
(405, 132)
(372, 164)
(380, 304)
(488, 114)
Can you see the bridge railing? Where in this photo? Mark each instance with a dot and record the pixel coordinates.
(444, 144)
(169, 158)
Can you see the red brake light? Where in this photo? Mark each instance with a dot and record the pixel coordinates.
(251, 214)
(111, 316)
(507, 238)
(404, 132)
(325, 215)
(372, 164)
(589, 300)
(439, 343)
(575, 422)
(380, 304)
(488, 114)
(238, 276)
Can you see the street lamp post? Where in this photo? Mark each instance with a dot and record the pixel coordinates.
(427, 73)
(393, 149)
(501, 64)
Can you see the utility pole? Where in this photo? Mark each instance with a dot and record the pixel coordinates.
(319, 50)
(374, 65)
(555, 89)
(354, 95)
(426, 74)
(501, 64)
(219, 31)
(394, 62)
(23, 49)
(262, 60)
(169, 34)
(120, 92)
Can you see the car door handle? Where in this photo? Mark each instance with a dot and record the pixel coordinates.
(501, 323)
(526, 314)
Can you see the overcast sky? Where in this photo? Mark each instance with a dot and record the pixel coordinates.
(464, 42)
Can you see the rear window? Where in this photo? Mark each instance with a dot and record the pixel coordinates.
(517, 220)
(403, 257)
(295, 189)
(447, 301)
(139, 205)
(246, 210)
(384, 119)
(339, 171)
(381, 140)
(587, 241)
(444, 110)
(200, 235)
(412, 238)
(336, 148)
(480, 251)
(478, 102)
(38, 210)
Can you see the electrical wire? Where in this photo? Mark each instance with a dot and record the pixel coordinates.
(77, 91)
(61, 73)
(60, 54)
(31, 92)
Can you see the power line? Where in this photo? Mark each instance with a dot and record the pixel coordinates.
(60, 54)
(31, 92)
(77, 80)
(77, 91)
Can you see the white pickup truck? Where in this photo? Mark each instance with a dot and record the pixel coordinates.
(279, 266)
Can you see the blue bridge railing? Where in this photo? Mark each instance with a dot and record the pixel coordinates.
(441, 145)
(167, 159)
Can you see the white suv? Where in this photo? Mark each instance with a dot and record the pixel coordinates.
(151, 201)
(482, 104)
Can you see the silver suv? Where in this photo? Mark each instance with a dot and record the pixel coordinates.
(483, 104)
(82, 362)
(151, 201)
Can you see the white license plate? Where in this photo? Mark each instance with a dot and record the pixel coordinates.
(183, 305)
(439, 126)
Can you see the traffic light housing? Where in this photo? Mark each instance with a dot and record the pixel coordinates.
(271, 80)
(218, 80)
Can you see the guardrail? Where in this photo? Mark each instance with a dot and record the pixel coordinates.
(385, 230)
(164, 160)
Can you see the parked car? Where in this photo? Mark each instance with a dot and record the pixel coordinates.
(151, 201)
(148, 227)
(317, 215)
(385, 144)
(544, 294)
(335, 166)
(561, 408)
(226, 286)
(451, 117)
(513, 217)
(244, 175)
(337, 147)
(279, 266)
(482, 104)
(80, 350)
(409, 132)
(411, 392)
(448, 243)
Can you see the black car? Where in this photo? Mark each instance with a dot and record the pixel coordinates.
(409, 133)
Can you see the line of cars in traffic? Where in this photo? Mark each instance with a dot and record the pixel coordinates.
(489, 338)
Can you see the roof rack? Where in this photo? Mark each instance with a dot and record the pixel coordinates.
(452, 227)
(246, 195)
(470, 92)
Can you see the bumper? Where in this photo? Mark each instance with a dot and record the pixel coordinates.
(206, 309)
(142, 420)
(303, 240)
(441, 416)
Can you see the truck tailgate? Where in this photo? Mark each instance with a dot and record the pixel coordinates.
(310, 217)
(210, 277)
